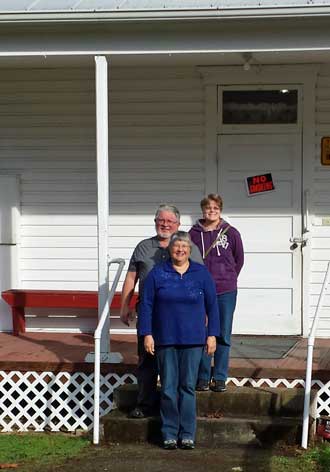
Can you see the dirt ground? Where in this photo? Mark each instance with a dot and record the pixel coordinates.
(145, 458)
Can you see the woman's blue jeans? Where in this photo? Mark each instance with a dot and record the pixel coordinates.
(226, 304)
(178, 369)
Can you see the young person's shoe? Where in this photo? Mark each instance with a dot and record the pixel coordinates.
(219, 386)
(138, 413)
(202, 386)
(170, 444)
(187, 444)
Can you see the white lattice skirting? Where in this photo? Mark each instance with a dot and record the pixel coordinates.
(34, 401)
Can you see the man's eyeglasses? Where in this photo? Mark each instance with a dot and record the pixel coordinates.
(162, 221)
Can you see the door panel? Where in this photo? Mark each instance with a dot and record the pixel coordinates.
(269, 300)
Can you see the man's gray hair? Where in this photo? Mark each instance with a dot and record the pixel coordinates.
(170, 208)
(180, 236)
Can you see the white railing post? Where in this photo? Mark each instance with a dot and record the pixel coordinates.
(97, 379)
(309, 366)
(114, 357)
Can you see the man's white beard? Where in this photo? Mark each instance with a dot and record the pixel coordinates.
(164, 235)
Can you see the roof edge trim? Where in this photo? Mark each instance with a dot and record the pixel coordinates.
(161, 15)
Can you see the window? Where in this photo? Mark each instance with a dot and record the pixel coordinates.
(250, 107)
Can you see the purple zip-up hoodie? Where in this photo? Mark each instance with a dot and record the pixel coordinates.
(226, 259)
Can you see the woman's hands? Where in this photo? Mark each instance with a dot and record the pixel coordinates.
(149, 344)
(211, 344)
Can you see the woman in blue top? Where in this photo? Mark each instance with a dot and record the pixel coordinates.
(178, 318)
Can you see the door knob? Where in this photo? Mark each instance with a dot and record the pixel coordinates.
(298, 240)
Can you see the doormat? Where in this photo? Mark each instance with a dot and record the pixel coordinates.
(261, 347)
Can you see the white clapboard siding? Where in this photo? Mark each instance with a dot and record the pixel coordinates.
(156, 151)
(321, 205)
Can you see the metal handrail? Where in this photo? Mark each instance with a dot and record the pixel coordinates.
(309, 366)
(97, 348)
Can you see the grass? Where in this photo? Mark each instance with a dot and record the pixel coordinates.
(321, 455)
(293, 464)
(316, 459)
(42, 448)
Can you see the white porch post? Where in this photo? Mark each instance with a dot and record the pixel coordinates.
(101, 85)
(102, 338)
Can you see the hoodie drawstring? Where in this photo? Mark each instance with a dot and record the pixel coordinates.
(203, 245)
(217, 246)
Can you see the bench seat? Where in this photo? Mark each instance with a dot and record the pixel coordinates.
(19, 299)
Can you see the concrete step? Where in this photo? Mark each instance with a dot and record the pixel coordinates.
(262, 431)
(236, 401)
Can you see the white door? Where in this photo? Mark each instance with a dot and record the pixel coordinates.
(269, 300)
(9, 211)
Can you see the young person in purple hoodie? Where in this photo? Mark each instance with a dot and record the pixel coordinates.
(222, 250)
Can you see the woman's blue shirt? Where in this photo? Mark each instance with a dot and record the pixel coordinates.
(179, 309)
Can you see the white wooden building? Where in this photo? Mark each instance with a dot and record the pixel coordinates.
(201, 97)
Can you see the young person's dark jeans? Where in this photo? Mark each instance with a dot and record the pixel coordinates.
(227, 305)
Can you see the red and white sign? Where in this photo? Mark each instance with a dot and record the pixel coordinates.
(259, 184)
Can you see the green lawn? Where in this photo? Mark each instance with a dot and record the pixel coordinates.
(315, 459)
(41, 448)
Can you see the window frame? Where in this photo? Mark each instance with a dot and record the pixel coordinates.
(259, 128)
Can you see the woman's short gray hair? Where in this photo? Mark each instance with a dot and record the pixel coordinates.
(170, 208)
(180, 236)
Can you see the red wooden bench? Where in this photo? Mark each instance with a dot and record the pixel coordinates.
(20, 299)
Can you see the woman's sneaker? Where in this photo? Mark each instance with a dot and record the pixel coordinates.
(170, 444)
(202, 386)
(187, 444)
(219, 386)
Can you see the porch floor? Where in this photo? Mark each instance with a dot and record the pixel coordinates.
(57, 352)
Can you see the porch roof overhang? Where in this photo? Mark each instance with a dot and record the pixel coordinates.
(153, 27)
(202, 37)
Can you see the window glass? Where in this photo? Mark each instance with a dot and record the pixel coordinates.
(260, 107)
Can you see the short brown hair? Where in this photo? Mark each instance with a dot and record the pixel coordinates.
(215, 197)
